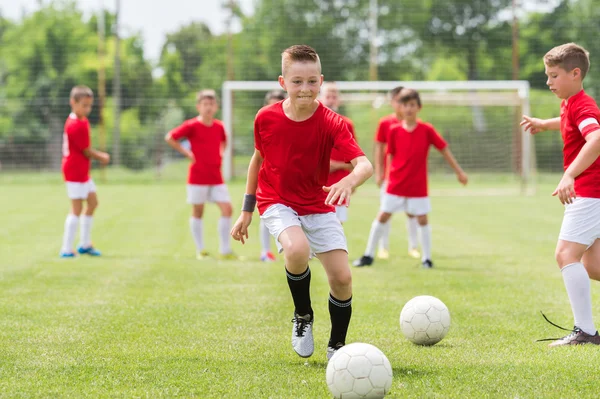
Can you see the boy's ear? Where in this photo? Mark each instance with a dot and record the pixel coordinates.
(281, 82)
(576, 72)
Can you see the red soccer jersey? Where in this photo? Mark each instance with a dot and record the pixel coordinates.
(76, 138)
(383, 129)
(579, 116)
(336, 155)
(409, 150)
(205, 142)
(296, 157)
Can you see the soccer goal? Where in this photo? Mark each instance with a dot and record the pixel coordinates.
(479, 119)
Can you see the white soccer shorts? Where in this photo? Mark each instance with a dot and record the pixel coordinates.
(342, 213)
(581, 221)
(76, 190)
(323, 230)
(198, 194)
(416, 206)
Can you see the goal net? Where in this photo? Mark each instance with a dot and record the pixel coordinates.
(479, 119)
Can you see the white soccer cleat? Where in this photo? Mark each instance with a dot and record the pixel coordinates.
(302, 335)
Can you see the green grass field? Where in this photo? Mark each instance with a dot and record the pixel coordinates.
(147, 320)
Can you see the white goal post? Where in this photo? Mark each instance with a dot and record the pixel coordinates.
(513, 93)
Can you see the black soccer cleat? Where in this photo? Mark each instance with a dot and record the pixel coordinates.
(363, 261)
(427, 264)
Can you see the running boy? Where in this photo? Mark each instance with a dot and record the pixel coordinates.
(76, 163)
(578, 248)
(408, 148)
(272, 97)
(207, 139)
(287, 176)
(338, 169)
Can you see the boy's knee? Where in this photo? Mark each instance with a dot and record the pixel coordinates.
(383, 217)
(422, 220)
(297, 253)
(343, 279)
(227, 210)
(564, 257)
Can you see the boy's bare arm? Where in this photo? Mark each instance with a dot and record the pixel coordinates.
(253, 168)
(338, 165)
(239, 232)
(380, 159)
(449, 157)
(536, 125)
(101, 156)
(176, 145)
(340, 192)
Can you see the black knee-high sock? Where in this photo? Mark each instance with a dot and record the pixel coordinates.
(340, 313)
(300, 288)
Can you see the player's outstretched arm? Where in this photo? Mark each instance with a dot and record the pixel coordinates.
(339, 193)
(176, 145)
(380, 160)
(239, 232)
(565, 191)
(449, 157)
(102, 157)
(536, 125)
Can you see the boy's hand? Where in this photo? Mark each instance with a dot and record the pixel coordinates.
(565, 190)
(534, 125)
(239, 232)
(104, 158)
(339, 193)
(462, 178)
(190, 156)
(379, 179)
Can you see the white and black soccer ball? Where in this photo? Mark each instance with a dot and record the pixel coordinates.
(425, 320)
(359, 371)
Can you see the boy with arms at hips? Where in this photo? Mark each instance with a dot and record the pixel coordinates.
(207, 140)
(272, 97)
(381, 171)
(76, 163)
(578, 248)
(408, 148)
(338, 169)
(287, 177)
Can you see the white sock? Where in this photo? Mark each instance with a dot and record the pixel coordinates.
(265, 238)
(577, 282)
(196, 228)
(86, 231)
(71, 224)
(412, 226)
(384, 241)
(425, 242)
(377, 229)
(224, 237)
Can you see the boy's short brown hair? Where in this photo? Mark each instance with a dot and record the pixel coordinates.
(206, 94)
(275, 95)
(298, 53)
(395, 91)
(81, 91)
(568, 57)
(407, 95)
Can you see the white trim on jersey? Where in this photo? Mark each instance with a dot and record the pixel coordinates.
(587, 122)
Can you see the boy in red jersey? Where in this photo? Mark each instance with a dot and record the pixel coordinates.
(577, 250)
(272, 97)
(287, 176)
(207, 139)
(408, 148)
(338, 169)
(76, 163)
(381, 139)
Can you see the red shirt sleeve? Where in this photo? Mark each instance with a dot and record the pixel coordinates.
(344, 141)
(79, 135)
(257, 140)
(223, 134)
(381, 136)
(184, 130)
(437, 140)
(391, 144)
(586, 117)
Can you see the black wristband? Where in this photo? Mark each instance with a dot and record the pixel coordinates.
(249, 203)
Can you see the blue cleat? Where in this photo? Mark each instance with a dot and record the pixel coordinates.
(89, 251)
(67, 254)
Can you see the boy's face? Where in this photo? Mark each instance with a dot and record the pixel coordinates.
(396, 104)
(562, 83)
(331, 99)
(302, 81)
(207, 107)
(409, 110)
(82, 107)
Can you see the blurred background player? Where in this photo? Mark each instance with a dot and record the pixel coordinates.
(207, 139)
(338, 169)
(293, 198)
(408, 148)
(578, 248)
(76, 163)
(381, 171)
(266, 255)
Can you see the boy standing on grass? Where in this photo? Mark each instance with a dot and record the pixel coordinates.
(76, 164)
(272, 97)
(338, 169)
(287, 177)
(207, 139)
(577, 250)
(408, 148)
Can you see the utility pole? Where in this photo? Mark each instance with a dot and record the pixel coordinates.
(116, 155)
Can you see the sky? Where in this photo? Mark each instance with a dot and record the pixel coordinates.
(153, 18)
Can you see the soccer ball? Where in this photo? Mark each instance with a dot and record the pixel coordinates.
(425, 320)
(358, 371)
